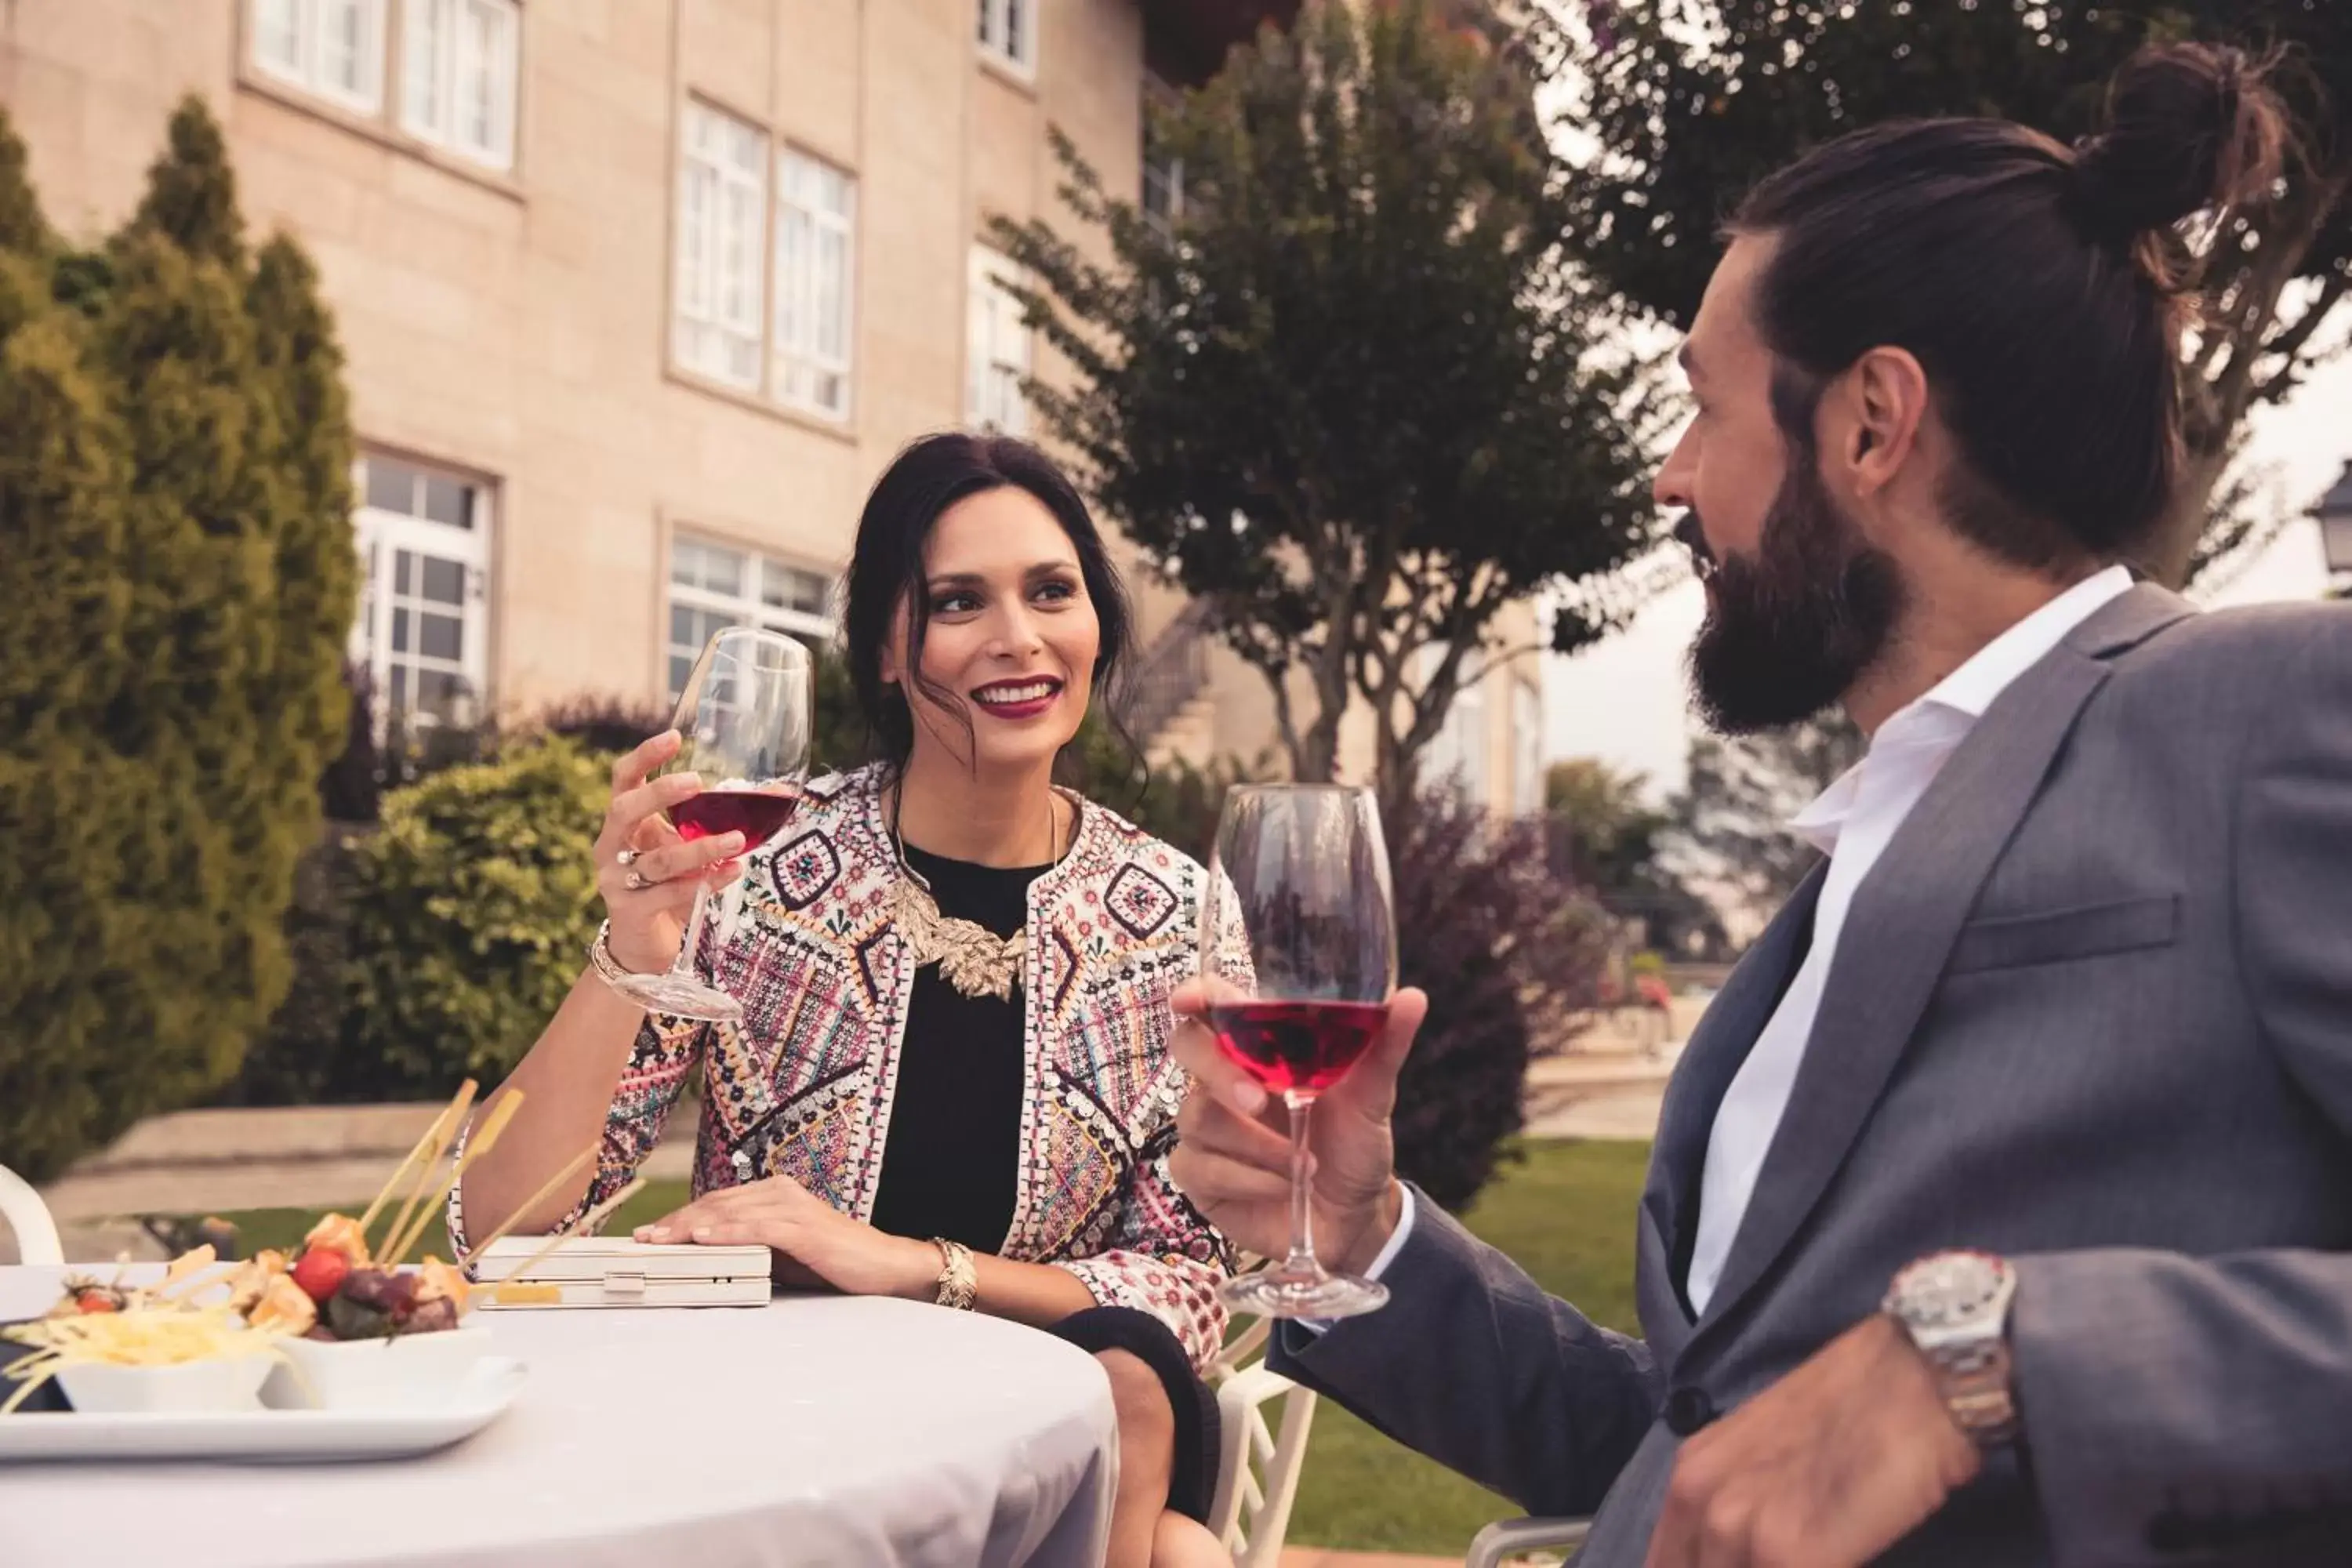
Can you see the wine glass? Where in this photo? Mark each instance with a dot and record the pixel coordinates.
(1298, 954)
(743, 723)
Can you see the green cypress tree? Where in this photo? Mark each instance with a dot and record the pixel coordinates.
(64, 952)
(181, 437)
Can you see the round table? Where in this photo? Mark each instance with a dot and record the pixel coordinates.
(816, 1430)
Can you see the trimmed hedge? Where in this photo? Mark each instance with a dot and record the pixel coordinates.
(470, 913)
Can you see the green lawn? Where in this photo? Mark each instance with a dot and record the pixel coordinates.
(1565, 1214)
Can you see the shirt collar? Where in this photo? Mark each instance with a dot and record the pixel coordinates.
(1971, 690)
(1965, 693)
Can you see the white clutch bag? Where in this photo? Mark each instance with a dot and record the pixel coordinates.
(600, 1271)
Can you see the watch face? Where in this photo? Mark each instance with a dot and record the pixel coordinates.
(1949, 1288)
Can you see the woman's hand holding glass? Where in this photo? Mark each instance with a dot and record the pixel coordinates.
(648, 875)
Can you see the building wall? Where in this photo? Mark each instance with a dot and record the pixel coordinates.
(516, 327)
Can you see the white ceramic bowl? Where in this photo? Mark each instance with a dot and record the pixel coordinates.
(227, 1383)
(407, 1373)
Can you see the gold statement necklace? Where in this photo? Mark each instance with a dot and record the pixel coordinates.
(971, 958)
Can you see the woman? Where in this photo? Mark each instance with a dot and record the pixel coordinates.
(952, 1081)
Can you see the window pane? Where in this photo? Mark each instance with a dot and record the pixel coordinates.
(392, 486)
(1016, 35)
(722, 571)
(487, 68)
(439, 693)
(344, 45)
(448, 501)
(445, 580)
(424, 50)
(403, 564)
(681, 624)
(277, 35)
(722, 246)
(399, 622)
(441, 637)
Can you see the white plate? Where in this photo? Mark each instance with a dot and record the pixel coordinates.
(295, 1436)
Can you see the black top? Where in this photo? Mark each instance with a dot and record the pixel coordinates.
(951, 1165)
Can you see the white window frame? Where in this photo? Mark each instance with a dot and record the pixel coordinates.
(997, 346)
(307, 69)
(1528, 746)
(381, 535)
(721, 209)
(1170, 172)
(748, 607)
(806, 221)
(1008, 35)
(1462, 752)
(443, 51)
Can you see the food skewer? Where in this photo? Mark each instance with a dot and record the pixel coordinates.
(547, 1189)
(401, 1171)
(445, 1133)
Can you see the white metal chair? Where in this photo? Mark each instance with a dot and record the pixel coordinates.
(28, 1217)
(1508, 1538)
(1257, 1473)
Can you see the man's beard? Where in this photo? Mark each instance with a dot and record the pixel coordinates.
(1790, 630)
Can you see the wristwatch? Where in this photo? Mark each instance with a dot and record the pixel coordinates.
(1955, 1307)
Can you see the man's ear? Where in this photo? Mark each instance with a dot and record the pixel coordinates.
(1876, 406)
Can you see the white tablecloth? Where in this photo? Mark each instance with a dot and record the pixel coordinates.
(868, 1434)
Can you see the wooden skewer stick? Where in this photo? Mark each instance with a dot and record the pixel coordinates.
(486, 1137)
(483, 1140)
(453, 1122)
(547, 1190)
(581, 1226)
(401, 1171)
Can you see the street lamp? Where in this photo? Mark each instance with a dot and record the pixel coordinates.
(2334, 512)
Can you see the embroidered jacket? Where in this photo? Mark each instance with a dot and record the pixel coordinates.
(804, 1085)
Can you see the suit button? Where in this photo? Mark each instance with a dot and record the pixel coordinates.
(1687, 1411)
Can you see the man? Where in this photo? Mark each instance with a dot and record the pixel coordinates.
(2000, 1211)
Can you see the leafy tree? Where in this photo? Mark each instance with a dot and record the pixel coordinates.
(1690, 102)
(1605, 836)
(176, 559)
(1731, 821)
(1353, 397)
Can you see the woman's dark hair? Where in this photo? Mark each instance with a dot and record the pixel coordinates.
(2042, 289)
(887, 567)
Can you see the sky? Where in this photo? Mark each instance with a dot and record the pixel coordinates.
(1623, 701)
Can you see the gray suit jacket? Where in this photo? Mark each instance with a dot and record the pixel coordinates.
(2091, 1010)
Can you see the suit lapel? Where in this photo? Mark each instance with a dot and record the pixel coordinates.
(1727, 1032)
(1897, 935)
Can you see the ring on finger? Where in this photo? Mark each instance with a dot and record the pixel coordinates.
(626, 858)
(636, 881)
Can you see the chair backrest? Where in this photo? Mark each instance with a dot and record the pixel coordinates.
(28, 1217)
(1258, 1470)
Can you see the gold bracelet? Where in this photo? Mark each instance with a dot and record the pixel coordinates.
(959, 1282)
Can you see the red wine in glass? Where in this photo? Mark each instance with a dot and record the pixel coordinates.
(759, 815)
(1296, 1046)
(1298, 959)
(744, 718)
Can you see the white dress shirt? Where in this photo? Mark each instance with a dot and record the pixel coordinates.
(1852, 822)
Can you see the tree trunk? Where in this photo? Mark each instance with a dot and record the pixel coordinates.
(2174, 545)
